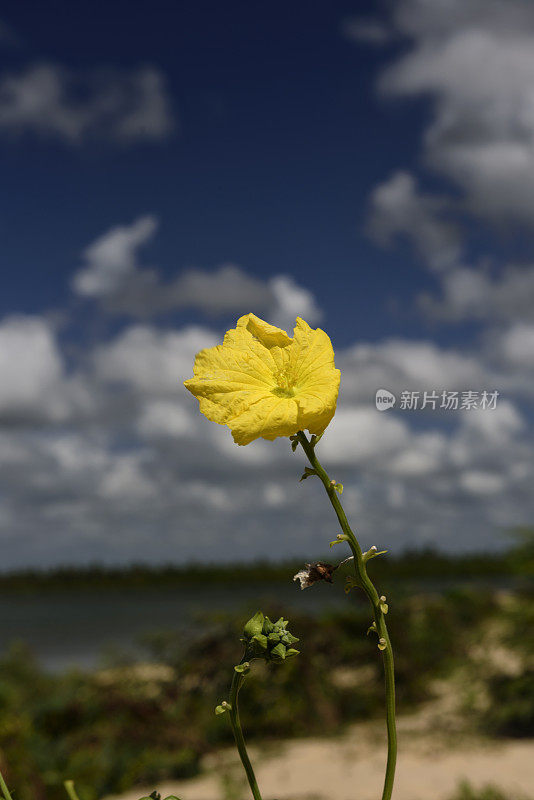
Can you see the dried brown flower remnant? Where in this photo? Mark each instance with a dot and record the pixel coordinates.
(312, 573)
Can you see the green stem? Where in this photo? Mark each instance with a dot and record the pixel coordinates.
(4, 789)
(374, 599)
(71, 791)
(237, 682)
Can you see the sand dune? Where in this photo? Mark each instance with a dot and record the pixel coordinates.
(431, 764)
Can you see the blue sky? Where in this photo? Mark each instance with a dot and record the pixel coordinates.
(167, 167)
(278, 140)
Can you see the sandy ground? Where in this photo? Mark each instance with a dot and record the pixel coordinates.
(437, 751)
(432, 762)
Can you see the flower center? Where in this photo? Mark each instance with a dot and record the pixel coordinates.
(285, 384)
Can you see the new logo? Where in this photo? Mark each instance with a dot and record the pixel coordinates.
(384, 399)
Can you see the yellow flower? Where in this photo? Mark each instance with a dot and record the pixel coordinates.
(260, 382)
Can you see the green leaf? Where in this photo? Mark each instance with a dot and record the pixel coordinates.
(243, 668)
(268, 626)
(220, 710)
(261, 640)
(279, 651)
(308, 472)
(341, 537)
(292, 652)
(254, 626)
(288, 638)
(373, 553)
(339, 488)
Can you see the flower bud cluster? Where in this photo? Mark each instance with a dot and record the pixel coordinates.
(269, 640)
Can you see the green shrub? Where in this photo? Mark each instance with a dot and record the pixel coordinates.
(512, 705)
(466, 792)
(122, 727)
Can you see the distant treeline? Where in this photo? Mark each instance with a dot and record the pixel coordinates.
(426, 564)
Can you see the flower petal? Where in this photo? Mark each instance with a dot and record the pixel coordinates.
(268, 418)
(229, 379)
(316, 414)
(311, 351)
(268, 335)
(263, 383)
(317, 378)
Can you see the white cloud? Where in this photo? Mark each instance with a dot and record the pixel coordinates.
(114, 105)
(367, 30)
(362, 435)
(469, 293)
(274, 495)
(494, 427)
(141, 474)
(258, 453)
(161, 418)
(112, 259)
(149, 360)
(290, 301)
(516, 346)
(478, 482)
(398, 209)
(33, 381)
(149, 478)
(74, 453)
(217, 292)
(113, 274)
(125, 479)
(208, 494)
(424, 456)
(475, 61)
(398, 365)
(30, 363)
(417, 18)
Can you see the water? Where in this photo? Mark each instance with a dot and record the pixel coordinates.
(72, 629)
